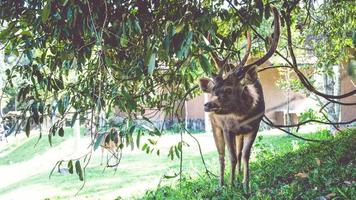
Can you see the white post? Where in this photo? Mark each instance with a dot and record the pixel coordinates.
(206, 115)
(186, 115)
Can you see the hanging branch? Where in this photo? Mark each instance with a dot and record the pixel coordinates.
(207, 171)
(300, 75)
(294, 65)
(270, 123)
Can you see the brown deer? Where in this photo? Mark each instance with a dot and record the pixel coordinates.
(237, 106)
(111, 143)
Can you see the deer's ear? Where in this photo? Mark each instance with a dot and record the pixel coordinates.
(206, 84)
(251, 76)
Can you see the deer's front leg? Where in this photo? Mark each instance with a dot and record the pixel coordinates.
(239, 145)
(231, 146)
(246, 151)
(220, 145)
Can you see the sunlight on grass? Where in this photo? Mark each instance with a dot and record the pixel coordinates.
(32, 147)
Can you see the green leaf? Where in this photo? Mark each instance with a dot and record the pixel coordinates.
(26, 33)
(70, 167)
(29, 55)
(46, 12)
(59, 83)
(151, 63)
(63, 104)
(65, 2)
(170, 177)
(342, 193)
(157, 132)
(127, 138)
(123, 40)
(144, 147)
(136, 26)
(138, 139)
(132, 129)
(132, 143)
(60, 107)
(147, 120)
(179, 27)
(176, 150)
(69, 14)
(5, 33)
(205, 64)
(35, 115)
(152, 141)
(61, 132)
(98, 141)
(74, 118)
(28, 127)
(171, 154)
(54, 167)
(79, 170)
(50, 138)
(41, 107)
(205, 46)
(167, 42)
(184, 48)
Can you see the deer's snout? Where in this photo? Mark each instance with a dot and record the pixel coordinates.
(210, 106)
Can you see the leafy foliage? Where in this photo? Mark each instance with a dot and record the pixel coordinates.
(96, 56)
(139, 52)
(329, 30)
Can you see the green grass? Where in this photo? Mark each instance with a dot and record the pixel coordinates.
(31, 148)
(175, 131)
(132, 170)
(274, 173)
(9, 148)
(273, 169)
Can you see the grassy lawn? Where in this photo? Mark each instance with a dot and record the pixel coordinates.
(139, 171)
(31, 147)
(284, 168)
(133, 169)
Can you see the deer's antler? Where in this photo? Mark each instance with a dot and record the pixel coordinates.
(274, 44)
(248, 49)
(219, 63)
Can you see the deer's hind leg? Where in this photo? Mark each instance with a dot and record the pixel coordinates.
(220, 145)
